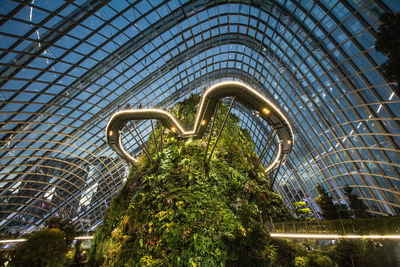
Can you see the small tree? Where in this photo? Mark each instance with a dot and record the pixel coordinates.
(301, 211)
(64, 223)
(365, 253)
(46, 247)
(246, 249)
(349, 252)
(329, 210)
(388, 42)
(356, 205)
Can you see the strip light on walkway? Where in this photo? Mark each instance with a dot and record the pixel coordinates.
(275, 235)
(11, 241)
(244, 93)
(84, 238)
(7, 241)
(331, 236)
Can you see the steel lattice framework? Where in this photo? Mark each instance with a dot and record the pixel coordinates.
(66, 66)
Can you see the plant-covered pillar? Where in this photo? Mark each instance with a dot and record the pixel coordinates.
(181, 211)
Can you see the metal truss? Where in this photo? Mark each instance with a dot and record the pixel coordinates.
(65, 67)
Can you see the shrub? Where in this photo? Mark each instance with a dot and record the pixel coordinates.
(46, 247)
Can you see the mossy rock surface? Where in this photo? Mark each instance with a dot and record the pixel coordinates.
(178, 211)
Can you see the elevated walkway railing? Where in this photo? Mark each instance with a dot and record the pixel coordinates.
(388, 225)
(244, 94)
(369, 228)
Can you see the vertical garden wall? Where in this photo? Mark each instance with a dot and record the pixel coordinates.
(176, 210)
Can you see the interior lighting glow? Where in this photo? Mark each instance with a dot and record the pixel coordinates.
(84, 237)
(111, 133)
(202, 103)
(198, 122)
(333, 236)
(276, 161)
(12, 241)
(251, 90)
(277, 235)
(266, 111)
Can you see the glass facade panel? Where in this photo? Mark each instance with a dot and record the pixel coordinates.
(65, 67)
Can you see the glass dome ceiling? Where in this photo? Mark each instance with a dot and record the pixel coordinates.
(65, 67)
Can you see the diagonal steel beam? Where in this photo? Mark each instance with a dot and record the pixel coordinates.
(222, 127)
(211, 130)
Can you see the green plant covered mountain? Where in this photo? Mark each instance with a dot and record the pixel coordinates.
(177, 211)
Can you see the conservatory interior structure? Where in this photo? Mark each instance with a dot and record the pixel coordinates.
(67, 67)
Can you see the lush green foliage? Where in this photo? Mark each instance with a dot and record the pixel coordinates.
(344, 252)
(63, 222)
(356, 205)
(330, 210)
(181, 212)
(302, 212)
(366, 253)
(47, 247)
(5, 257)
(388, 42)
(387, 225)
